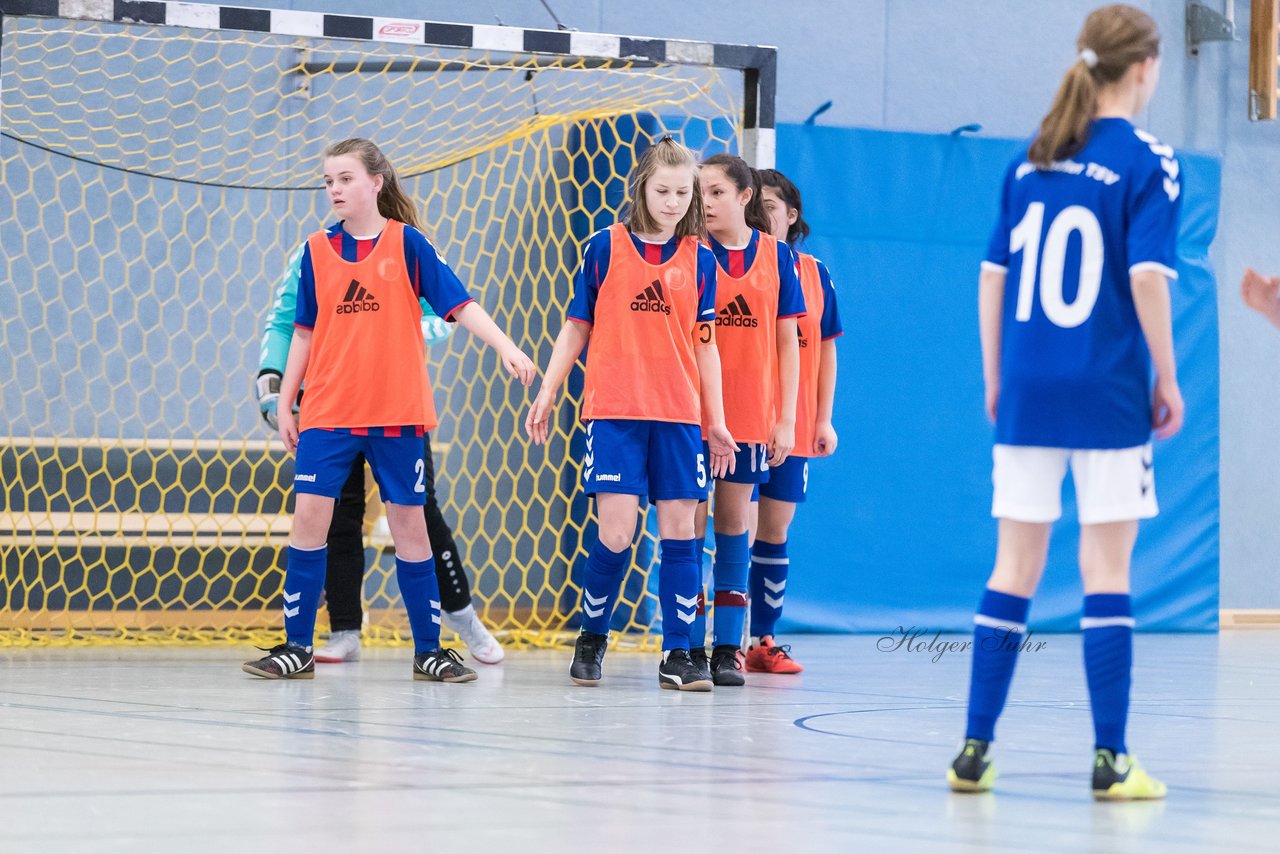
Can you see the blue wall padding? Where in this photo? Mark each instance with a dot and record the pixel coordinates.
(897, 530)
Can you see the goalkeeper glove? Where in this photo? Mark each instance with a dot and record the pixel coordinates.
(435, 330)
(268, 389)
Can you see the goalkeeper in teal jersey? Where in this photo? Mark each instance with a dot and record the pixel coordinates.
(344, 572)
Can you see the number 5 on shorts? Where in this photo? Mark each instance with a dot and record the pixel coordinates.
(702, 471)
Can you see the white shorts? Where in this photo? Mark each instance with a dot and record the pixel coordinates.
(1111, 485)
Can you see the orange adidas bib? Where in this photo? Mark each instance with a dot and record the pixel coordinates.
(810, 328)
(640, 361)
(747, 335)
(368, 367)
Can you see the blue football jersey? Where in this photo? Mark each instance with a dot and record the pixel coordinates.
(1074, 367)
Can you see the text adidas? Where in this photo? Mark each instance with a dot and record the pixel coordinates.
(650, 305)
(356, 307)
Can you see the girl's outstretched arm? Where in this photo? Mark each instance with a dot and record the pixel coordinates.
(569, 343)
(477, 321)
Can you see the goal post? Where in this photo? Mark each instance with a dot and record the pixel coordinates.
(158, 163)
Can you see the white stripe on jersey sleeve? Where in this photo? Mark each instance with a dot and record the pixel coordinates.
(1156, 266)
(993, 267)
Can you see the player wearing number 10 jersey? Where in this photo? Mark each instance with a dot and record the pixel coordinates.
(1074, 307)
(1074, 367)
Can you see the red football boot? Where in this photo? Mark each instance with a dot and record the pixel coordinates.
(768, 657)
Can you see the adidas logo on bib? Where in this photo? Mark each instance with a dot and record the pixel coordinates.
(737, 313)
(651, 299)
(357, 300)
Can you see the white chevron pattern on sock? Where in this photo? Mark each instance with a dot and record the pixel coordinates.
(690, 602)
(593, 606)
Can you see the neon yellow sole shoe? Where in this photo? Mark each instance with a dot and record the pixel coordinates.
(1121, 778)
(972, 770)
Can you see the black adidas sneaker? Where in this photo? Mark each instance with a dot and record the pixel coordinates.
(588, 653)
(286, 661)
(441, 665)
(678, 672)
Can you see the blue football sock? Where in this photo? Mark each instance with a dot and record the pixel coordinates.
(303, 583)
(731, 569)
(600, 585)
(1107, 627)
(678, 591)
(421, 594)
(698, 628)
(998, 629)
(769, 565)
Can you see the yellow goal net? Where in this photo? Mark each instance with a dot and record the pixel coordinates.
(156, 172)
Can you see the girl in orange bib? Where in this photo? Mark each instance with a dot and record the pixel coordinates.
(758, 302)
(645, 299)
(358, 344)
(815, 437)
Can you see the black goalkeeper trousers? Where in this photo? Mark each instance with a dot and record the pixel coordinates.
(344, 572)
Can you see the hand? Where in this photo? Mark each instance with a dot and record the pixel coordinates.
(1167, 408)
(520, 366)
(993, 400)
(781, 442)
(723, 450)
(267, 388)
(1262, 294)
(537, 423)
(288, 430)
(825, 439)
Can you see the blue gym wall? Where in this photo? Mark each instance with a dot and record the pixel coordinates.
(930, 66)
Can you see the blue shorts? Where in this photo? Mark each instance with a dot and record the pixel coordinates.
(787, 482)
(658, 459)
(750, 463)
(324, 459)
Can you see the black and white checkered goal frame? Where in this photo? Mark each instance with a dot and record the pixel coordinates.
(758, 64)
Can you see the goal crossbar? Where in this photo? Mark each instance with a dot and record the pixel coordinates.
(758, 63)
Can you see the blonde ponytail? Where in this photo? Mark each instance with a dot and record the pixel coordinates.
(1112, 40)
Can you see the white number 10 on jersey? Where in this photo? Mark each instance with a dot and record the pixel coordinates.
(1049, 264)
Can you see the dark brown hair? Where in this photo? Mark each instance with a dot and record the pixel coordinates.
(1112, 40)
(743, 177)
(638, 218)
(393, 201)
(790, 195)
